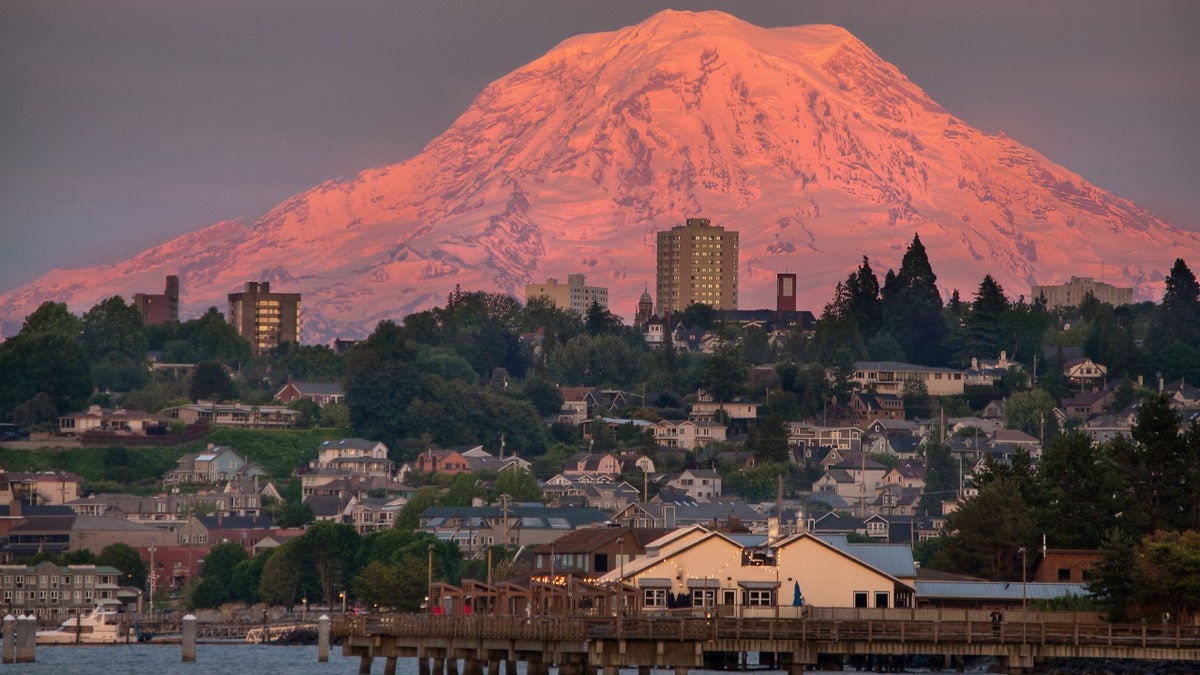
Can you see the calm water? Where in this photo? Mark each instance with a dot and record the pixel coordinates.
(215, 659)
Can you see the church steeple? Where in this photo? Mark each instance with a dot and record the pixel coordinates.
(645, 307)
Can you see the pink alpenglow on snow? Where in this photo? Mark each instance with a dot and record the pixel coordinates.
(801, 139)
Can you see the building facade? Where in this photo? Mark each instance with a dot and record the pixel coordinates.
(575, 296)
(265, 319)
(1074, 291)
(697, 263)
(52, 593)
(156, 309)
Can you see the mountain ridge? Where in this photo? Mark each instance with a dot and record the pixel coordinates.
(813, 147)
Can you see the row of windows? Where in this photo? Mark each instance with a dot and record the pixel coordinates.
(48, 581)
(656, 598)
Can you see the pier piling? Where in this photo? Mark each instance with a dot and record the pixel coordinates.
(323, 639)
(188, 641)
(10, 639)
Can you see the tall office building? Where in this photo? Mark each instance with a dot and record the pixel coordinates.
(697, 263)
(156, 309)
(575, 295)
(265, 319)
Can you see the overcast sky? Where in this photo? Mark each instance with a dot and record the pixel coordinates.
(124, 124)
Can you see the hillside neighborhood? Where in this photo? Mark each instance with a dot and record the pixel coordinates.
(532, 456)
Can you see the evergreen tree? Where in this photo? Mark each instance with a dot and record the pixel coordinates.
(941, 479)
(864, 305)
(1078, 486)
(912, 308)
(1178, 317)
(1155, 467)
(771, 441)
(987, 533)
(981, 326)
(1113, 575)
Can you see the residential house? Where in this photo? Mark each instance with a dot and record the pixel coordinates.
(886, 426)
(994, 409)
(665, 511)
(986, 372)
(579, 404)
(893, 499)
(910, 474)
(855, 481)
(906, 529)
(354, 457)
(477, 527)
(833, 522)
(1104, 428)
(1087, 404)
(739, 409)
(698, 484)
(891, 377)
(215, 529)
(1017, 439)
(904, 447)
(39, 487)
(635, 461)
(169, 510)
(689, 434)
(867, 407)
(321, 393)
(592, 464)
(371, 514)
(442, 461)
(115, 421)
(216, 465)
(808, 435)
(1084, 372)
(235, 415)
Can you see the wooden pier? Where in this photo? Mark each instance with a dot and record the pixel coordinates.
(581, 645)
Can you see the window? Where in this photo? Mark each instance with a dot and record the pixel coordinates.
(728, 597)
(654, 597)
(881, 600)
(1064, 574)
(860, 598)
(704, 597)
(758, 598)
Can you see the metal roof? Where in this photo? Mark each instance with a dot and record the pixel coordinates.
(997, 590)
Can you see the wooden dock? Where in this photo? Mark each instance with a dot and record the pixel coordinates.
(585, 644)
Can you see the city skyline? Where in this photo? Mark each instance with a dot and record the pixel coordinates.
(132, 124)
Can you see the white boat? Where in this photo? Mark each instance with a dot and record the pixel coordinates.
(101, 626)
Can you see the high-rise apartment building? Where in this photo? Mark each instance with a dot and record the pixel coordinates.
(1073, 292)
(575, 295)
(265, 319)
(156, 309)
(697, 263)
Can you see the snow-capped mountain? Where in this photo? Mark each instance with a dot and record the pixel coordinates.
(802, 139)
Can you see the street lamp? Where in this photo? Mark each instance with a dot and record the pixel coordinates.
(152, 582)
(304, 611)
(429, 587)
(342, 595)
(1024, 593)
(620, 575)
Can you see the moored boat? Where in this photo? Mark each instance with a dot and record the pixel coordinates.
(100, 626)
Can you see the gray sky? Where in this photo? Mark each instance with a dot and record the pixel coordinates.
(124, 124)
